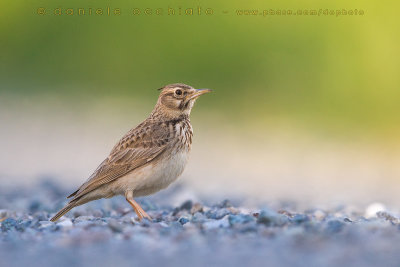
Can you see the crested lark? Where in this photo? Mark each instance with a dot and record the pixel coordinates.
(149, 157)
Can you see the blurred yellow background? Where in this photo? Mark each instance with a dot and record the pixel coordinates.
(304, 107)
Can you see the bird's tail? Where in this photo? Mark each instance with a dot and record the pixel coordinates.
(64, 210)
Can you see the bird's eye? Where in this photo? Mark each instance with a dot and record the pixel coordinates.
(178, 92)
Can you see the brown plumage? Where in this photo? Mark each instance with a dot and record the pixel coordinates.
(149, 157)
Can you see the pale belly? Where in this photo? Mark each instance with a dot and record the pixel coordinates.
(152, 177)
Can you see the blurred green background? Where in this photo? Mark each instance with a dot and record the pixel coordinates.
(334, 77)
(330, 71)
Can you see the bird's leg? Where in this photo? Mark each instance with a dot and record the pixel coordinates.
(136, 207)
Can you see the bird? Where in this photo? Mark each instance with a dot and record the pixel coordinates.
(149, 157)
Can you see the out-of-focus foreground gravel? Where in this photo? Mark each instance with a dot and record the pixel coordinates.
(107, 233)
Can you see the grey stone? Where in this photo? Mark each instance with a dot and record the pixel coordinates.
(8, 224)
(65, 224)
(240, 219)
(98, 213)
(224, 204)
(299, 218)
(23, 225)
(271, 218)
(145, 222)
(334, 226)
(217, 214)
(387, 216)
(41, 216)
(176, 225)
(187, 205)
(319, 214)
(347, 220)
(183, 220)
(85, 224)
(213, 224)
(84, 218)
(47, 225)
(197, 207)
(199, 218)
(115, 226)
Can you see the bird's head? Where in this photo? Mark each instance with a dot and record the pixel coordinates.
(178, 99)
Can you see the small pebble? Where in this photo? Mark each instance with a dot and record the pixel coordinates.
(334, 226)
(183, 220)
(271, 218)
(47, 225)
(65, 224)
(319, 214)
(372, 209)
(187, 205)
(225, 204)
(299, 218)
(213, 224)
(197, 207)
(217, 214)
(115, 226)
(240, 219)
(199, 217)
(83, 219)
(8, 224)
(387, 216)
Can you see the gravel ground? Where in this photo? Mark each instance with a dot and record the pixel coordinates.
(106, 232)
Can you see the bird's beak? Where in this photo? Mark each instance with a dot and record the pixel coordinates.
(199, 92)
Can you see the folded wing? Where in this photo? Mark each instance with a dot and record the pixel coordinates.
(137, 148)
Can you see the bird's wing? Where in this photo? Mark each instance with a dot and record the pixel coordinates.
(138, 147)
